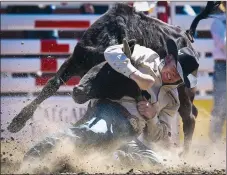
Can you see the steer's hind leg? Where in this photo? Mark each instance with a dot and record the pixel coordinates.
(66, 71)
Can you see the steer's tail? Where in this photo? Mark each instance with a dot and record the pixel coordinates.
(210, 8)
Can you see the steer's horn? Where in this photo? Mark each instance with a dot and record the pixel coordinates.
(126, 48)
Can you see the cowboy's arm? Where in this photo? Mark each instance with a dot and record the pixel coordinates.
(118, 60)
(122, 64)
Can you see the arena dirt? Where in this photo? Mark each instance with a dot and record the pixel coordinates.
(203, 158)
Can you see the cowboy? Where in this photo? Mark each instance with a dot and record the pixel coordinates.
(160, 78)
(109, 123)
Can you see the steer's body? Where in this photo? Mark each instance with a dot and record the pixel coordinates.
(119, 22)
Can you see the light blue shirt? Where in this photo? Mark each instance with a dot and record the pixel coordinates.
(218, 31)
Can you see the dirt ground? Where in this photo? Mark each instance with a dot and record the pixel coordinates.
(202, 159)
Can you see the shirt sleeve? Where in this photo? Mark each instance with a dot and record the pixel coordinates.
(159, 127)
(119, 61)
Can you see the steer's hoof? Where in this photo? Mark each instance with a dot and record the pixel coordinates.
(20, 120)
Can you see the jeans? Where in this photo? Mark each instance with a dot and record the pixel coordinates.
(105, 127)
(219, 109)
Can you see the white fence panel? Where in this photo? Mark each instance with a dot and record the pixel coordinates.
(62, 4)
(37, 47)
(205, 83)
(47, 22)
(192, 3)
(203, 46)
(28, 84)
(206, 65)
(25, 65)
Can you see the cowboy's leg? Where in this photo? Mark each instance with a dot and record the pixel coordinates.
(136, 153)
(106, 125)
(219, 110)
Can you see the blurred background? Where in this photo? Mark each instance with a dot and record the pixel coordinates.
(36, 38)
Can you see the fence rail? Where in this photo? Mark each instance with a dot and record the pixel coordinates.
(31, 65)
(47, 22)
(64, 46)
(37, 47)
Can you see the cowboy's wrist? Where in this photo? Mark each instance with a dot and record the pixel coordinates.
(144, 81)
(129, 70)
(134, 76)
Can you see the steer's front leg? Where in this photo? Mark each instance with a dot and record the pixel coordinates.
(186, 97)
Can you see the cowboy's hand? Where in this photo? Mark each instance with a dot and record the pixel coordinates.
(147, 109)
(144, 81)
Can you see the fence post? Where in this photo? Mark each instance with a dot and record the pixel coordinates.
(163, 11)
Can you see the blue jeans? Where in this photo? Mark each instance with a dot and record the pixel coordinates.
(105, 127)
(219, 109)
